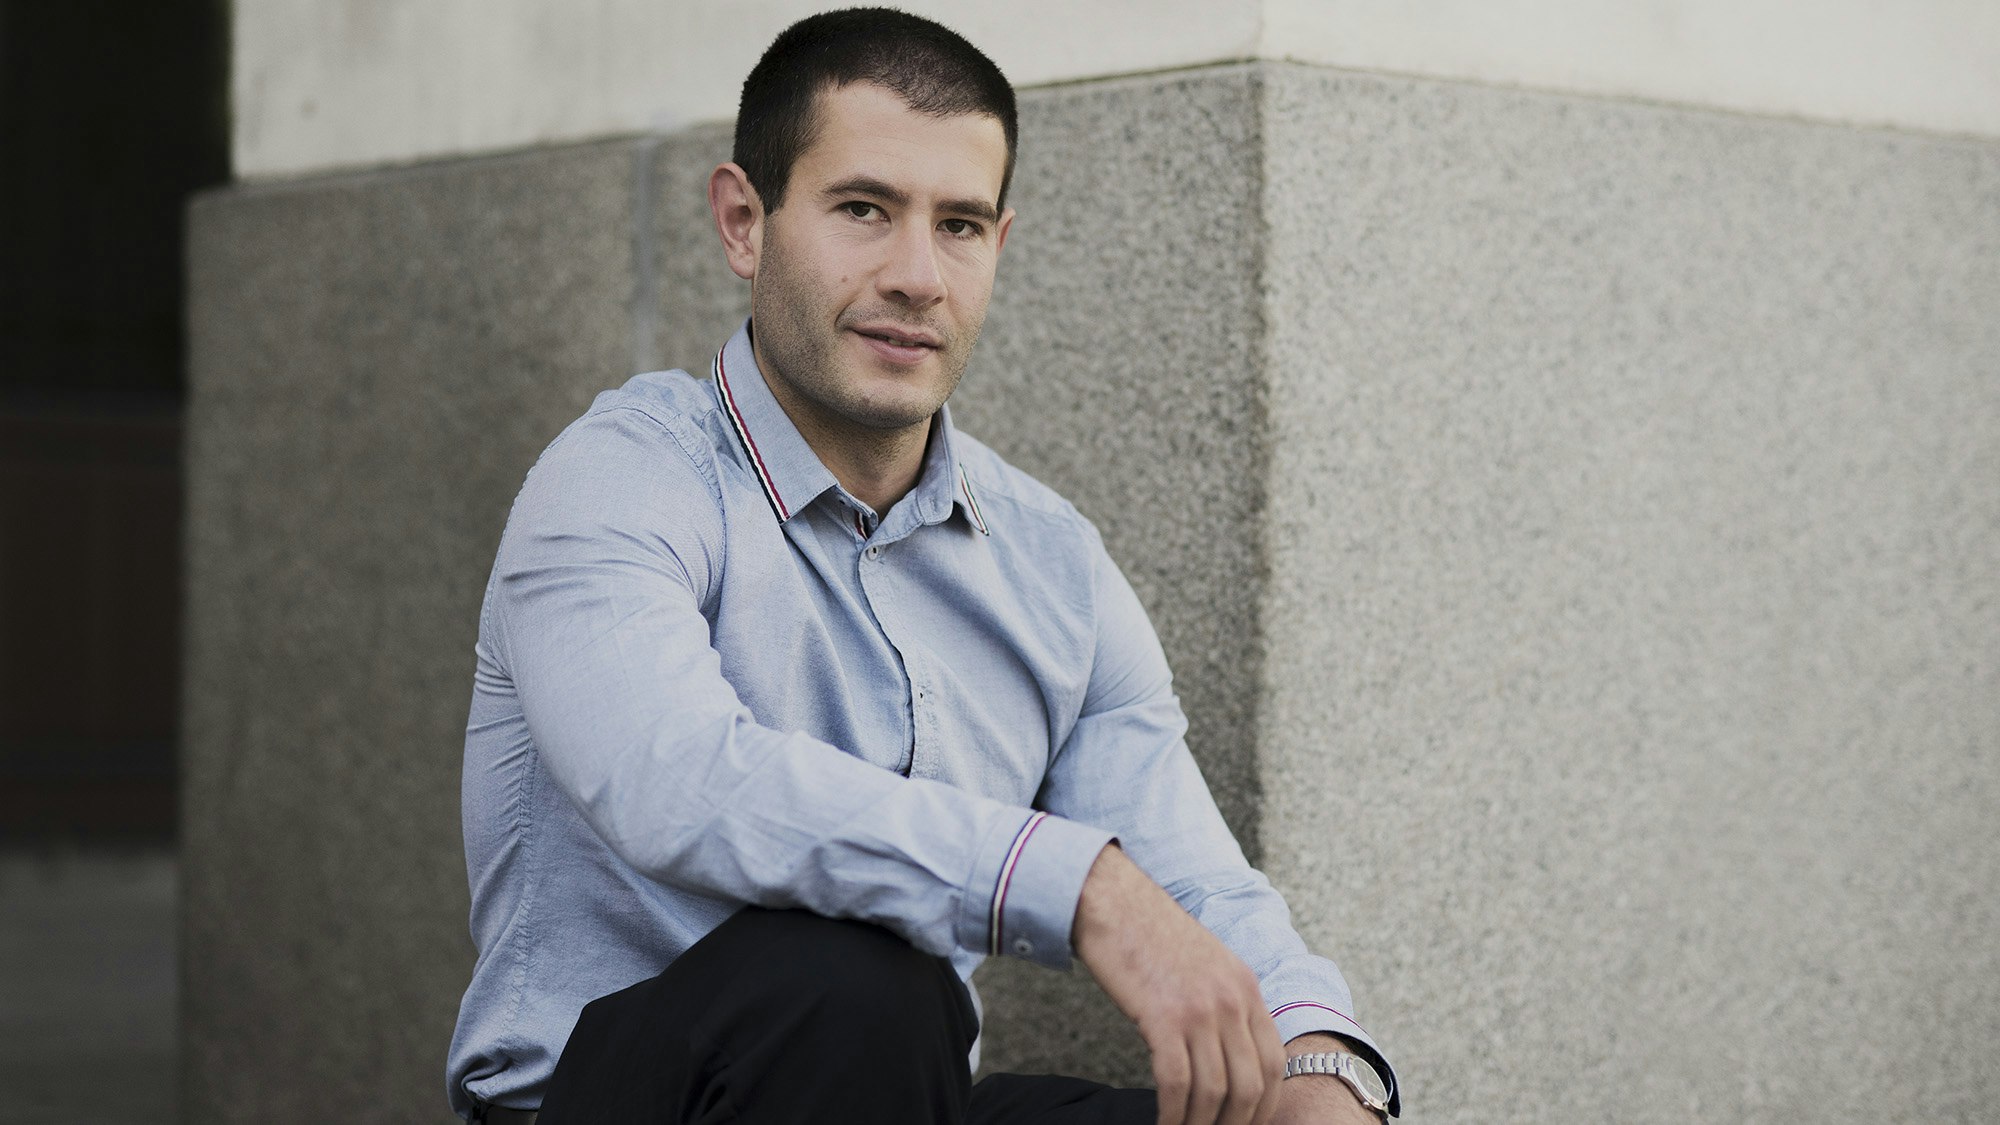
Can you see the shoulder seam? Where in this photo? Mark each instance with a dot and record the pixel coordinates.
(708, 472)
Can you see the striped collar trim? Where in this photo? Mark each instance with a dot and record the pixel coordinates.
(734, 413)
(791, 475)
(972, 511)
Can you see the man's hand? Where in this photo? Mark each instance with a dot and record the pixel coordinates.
(1216, 1056)
(1320, 1099)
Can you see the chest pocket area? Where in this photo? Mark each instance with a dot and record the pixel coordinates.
(983, 719)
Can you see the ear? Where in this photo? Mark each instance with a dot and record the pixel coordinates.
(1000, 232)
(739, 218)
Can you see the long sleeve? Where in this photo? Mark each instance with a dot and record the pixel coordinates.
(1126, 767)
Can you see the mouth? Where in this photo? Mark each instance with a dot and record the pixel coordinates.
(898, 347)
(897, 336)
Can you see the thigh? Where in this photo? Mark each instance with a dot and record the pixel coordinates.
(775, 1017)
(1054, 1099)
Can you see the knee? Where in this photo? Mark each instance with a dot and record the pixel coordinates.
(851, 973)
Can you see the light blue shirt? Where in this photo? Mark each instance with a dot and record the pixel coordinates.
(708, 676)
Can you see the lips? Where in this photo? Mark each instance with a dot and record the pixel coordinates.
(899, 336)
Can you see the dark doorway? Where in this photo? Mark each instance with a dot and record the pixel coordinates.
(110, 115)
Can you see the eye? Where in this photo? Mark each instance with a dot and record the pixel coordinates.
(961, 228)
(860, 209)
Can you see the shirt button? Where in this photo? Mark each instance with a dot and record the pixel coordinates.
(1023, 947)
(874, 553)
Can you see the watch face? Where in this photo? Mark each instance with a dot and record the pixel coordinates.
(1371, 1082)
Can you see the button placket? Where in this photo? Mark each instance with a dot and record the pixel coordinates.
(922, 728)
(879, 589)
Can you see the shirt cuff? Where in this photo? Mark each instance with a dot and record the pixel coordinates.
(1022, 898)
(1301, 1017)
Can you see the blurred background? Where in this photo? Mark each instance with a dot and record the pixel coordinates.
(1558, 443)
(110, 116)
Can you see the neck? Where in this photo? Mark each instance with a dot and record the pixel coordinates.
(876, 467)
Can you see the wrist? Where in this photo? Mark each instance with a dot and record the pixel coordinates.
(1321, 1099)
(1111, 889)
(1337, 1071)
(1318, 1041)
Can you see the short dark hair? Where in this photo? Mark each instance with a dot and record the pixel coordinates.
(931, 67)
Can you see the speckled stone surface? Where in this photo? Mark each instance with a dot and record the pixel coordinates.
(377, 361)
(1633, 622)
(697, 303)
(1572, 523)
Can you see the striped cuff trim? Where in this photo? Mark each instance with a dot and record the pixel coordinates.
(999, 908)
(1279, 1011)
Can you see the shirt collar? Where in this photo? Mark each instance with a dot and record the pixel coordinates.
(944, 484)
(785, 465)
(793, 476)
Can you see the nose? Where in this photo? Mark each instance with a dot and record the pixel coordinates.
(911, 273)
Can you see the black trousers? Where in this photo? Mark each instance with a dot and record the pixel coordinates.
(782, 1016)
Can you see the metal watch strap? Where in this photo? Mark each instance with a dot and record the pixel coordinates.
(1348, 1068)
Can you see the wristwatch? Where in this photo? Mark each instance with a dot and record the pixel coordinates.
(1351, 1069)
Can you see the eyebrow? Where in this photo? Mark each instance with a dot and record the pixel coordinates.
(870, 186)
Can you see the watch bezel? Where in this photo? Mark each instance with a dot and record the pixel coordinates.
(1373, 1090)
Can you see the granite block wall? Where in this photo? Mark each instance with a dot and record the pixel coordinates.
(376, 362)
(1633, 622)
(1571, 523)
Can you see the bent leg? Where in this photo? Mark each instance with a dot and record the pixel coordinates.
(776, 1016)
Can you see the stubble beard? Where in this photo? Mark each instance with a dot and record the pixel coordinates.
(791, 319)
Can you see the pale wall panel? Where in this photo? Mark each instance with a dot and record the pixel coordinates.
(1633, 630)
(324, 84)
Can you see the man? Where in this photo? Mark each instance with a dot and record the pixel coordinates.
(793, 702)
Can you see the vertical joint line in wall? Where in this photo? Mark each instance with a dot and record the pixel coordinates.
(645, 258)
(1262, 454)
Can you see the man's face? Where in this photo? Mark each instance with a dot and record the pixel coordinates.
(872, 279)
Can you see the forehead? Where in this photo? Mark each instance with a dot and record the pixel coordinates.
(865, 130)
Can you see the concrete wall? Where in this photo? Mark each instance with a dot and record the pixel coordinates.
(1570, 521)
(1633, 616)
(324, 84)
(375, 363)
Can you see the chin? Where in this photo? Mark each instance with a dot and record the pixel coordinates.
(887, 417)
(903, 403)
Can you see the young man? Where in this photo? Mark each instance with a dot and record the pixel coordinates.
(793, 702)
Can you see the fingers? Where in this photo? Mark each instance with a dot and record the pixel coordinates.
(1216, 1056)
(1210, 1084)
(1220, 1075)
(1171, 1076)
(1251, 1082)
(1271, 1055)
